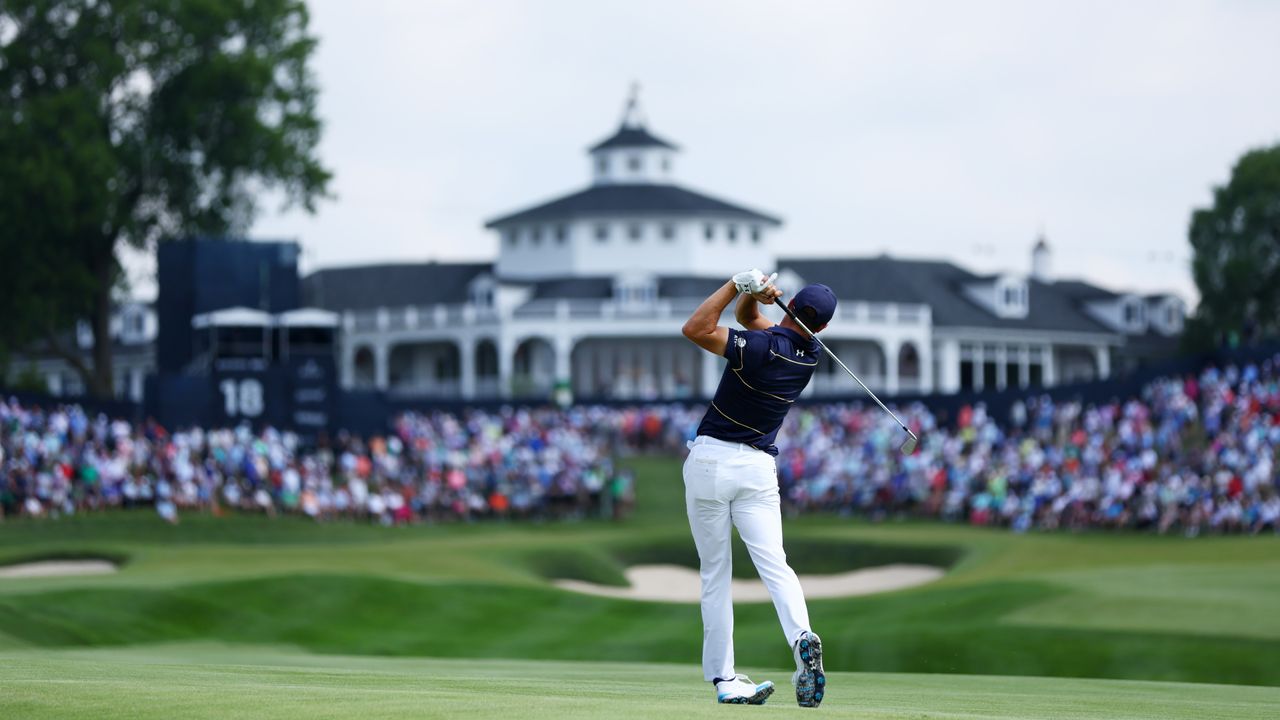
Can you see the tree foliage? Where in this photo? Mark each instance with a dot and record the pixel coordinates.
(1236, 255)
(134, 121)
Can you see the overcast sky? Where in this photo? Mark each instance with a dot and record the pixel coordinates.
(939, 129)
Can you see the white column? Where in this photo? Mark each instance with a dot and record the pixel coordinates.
(1024, 362)
(891, 350)
(1103, 355)
(711, 370)
(924, 350)
(381, 365)
(949, 366)
(467, 371)
(666, 373)
(506, 363)
(1050, 368)
(563, 363)
(348, 369)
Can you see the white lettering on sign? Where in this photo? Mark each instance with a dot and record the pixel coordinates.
(242, 398)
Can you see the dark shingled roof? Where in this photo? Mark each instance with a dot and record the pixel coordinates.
(632, 137)
(940, 285)
(688, 286)
(627, 199)
(1081, 291)
(601, 288)
(573, 288)
(390, 285)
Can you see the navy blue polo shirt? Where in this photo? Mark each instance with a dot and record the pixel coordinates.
(766, 372)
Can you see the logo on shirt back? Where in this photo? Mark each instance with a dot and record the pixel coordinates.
(799, 352)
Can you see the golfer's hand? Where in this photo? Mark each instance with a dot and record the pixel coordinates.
(753, 281)
(768, 293)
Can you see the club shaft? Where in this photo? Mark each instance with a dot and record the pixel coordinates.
(844, 367)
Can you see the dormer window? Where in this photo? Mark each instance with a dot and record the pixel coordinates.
(513, 237)
(602, 164)
(755, 234)
(635, 231)
(634, 163)
(1133, 314)
(602, 232)
(562, 234)
(536, 235)
(733, 234)
(482, 291)
(668, 232)
(635, 293)
(709, 232)
(1005, 296)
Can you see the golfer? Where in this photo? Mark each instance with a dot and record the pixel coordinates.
(730, 475)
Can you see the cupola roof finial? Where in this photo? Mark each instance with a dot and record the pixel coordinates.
(632, 115)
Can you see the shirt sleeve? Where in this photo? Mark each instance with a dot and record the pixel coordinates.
(746, 349)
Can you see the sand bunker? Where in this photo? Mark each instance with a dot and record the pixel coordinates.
(674, 583)
(57, 568)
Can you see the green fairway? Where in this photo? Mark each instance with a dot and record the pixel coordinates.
(213, 682)
(1118, 606)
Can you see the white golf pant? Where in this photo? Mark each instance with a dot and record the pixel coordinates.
(733, 483)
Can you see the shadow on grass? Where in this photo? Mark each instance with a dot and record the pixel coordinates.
(606, 565)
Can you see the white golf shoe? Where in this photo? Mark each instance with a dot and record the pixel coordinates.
(741, 691)
(809, 679)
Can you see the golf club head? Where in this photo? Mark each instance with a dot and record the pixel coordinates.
(909, 446)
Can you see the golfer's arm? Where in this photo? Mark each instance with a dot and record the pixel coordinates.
(748, 314)
(703, 326)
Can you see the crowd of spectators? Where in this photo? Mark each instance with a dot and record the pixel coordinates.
(1192, 454)
(541, 464)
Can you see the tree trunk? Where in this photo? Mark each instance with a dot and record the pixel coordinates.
(100, 380)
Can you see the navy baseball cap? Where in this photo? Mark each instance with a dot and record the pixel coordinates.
(818, 298)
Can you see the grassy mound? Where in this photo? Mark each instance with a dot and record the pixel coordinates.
(1094, 605)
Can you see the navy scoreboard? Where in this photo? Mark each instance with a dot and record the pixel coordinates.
(234, 345)
(269, 369)
(299, 395)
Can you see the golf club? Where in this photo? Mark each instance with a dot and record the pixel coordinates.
(909, 446)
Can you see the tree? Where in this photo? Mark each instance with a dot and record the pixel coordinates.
(1236, 255)
(136, 121)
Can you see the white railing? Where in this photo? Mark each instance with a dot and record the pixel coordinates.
(427, 389)
(842, 384)
(606, 309)
(433, 317)
(869, 313)
(427, 317)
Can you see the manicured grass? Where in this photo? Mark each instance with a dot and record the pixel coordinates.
(201, 681)
(1097, 605)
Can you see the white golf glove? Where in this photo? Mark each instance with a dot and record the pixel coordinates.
(752, 281)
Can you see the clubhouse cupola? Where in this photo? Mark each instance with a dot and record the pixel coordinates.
(633, 216)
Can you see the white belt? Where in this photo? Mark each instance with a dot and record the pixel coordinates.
(705, 440)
